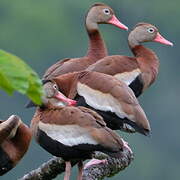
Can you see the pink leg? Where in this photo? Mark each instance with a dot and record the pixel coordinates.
(94, 162)
(67, 170)
(80, 168)
(126, 145)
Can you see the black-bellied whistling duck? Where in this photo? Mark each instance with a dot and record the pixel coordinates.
(72, 132)
(15, 138)
(98, 14)
(112, 99)
(137, 72)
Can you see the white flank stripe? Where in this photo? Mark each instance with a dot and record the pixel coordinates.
(68, 135)
(128, 77)
(101, 101)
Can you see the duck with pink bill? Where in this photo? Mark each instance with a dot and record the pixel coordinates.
(140, 71)
(72, 132)
(99, 13)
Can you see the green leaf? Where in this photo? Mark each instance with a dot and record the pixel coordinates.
(16, 75)
(35, 91)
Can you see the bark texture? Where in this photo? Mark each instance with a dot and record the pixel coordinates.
(56, 166)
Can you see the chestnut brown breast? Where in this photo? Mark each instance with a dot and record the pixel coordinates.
(137, 72)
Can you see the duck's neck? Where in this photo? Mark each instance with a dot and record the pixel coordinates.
(147, 60)
(67, 84)
(147, 55)
(97, 48)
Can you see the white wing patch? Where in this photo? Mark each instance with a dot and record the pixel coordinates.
(128, 77)
(69, 135)
(101, 101)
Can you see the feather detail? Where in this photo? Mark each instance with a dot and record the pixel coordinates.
(69, 135)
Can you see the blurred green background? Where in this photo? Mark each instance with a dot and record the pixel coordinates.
(41, 31)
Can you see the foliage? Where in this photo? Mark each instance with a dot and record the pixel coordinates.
(16, 75)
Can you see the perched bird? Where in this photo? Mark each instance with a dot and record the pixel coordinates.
(99, 13)
(71, 132)
(112, 99)
(137, 72)
(15, 138)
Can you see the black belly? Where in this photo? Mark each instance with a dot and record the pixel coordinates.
(5, 162)
(81, 151)
(112, 120)
(137, 86)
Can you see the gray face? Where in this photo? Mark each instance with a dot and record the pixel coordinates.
(50, 89)
(144, 32)
(100, 14)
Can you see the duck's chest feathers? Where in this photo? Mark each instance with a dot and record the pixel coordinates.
(128, 77)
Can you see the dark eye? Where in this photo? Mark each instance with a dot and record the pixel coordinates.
(150, 30)
(106, 11)
(55, 86)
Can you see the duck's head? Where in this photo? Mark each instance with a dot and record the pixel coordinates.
(145, 32)
(100, 13)
(52, 96)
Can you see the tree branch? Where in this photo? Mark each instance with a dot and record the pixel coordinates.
(56, 166)
(112, 167)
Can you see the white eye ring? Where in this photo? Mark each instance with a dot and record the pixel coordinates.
(55, 87)
(106, 11)
(150, 30)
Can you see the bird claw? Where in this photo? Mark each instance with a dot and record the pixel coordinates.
(94, 162)
(126, 145)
